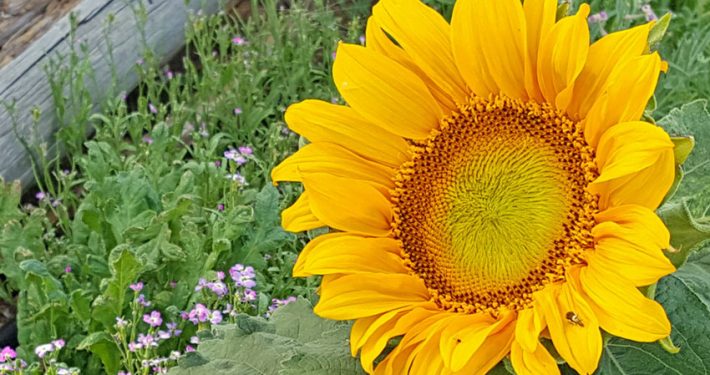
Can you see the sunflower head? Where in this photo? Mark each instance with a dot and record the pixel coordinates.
(489, 185)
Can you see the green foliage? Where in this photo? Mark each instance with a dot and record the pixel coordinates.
(684, 296)
(686, 213)
(140, 199)
(292, 342)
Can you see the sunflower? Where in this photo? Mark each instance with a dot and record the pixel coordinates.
(489, 186)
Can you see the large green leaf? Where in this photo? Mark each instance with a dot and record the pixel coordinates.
(693, 120)
(686, 297)
(125, 269)
(293, 342)
(103, 346)
(685, 213)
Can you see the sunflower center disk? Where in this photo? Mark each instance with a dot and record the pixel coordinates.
(493, 205)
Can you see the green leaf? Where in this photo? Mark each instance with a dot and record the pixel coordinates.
(101, 345)
(34, 267)
(683, 148)
(684, 213)
(658, 31)
(293, 342)
(693, 119)
(268, 233)
(685, 297)
(80, 303)
(686, 233)
(10, 195)
(125, 269)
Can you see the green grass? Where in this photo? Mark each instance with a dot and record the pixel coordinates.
(139, 199)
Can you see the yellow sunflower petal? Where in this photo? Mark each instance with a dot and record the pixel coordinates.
(630, 147)
(429, 360)
(580, 344)
(628, 252)
(561, 57)
(539, 18)
(349, 205)
(400, 103)
(534, 362)
(498, 42)
(395, 361)
(379, 42)
(640, 219)
(378, 336)
(630, 85)
(425, 36)
(528, 326)
(493, 349)
(332, 159)
(360, 295)
(489, 42)
(621, 309)
(605, 54)
(299, 216)
(374, 342)
(362, 325)
(320, 121)
(462, 336)
(645, 188)
(468, 51)
(337, 253)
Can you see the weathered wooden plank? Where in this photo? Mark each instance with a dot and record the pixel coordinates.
(24, 82)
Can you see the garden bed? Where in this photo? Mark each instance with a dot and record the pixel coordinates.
(157, 242)
(103, 32)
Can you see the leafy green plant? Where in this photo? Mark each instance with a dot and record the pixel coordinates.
(294, 341)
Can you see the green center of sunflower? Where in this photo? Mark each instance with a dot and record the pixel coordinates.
(493, 205)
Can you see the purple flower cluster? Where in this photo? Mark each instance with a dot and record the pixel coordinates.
(230, 296)
(7, 354)
(137, 287)
(153, 338)
(141, 300)
(45, 197)
(243, 276)
(8, 365)
(202, 314)
(239, 155)
(153, 319)
(238, 178)
(244, 281)
(51, 347)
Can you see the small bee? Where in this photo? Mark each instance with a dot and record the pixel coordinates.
(573, 319)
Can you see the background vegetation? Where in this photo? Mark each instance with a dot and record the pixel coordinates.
(161, 192)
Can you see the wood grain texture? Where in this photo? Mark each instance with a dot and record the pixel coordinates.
(24, 82)
(19, 30)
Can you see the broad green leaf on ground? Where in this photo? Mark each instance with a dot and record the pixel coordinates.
(293, 342)
(685, 295)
